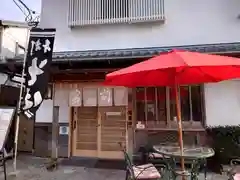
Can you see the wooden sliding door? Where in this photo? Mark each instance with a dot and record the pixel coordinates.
(99, 125)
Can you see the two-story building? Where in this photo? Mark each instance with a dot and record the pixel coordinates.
(13, 37)
(94, 37)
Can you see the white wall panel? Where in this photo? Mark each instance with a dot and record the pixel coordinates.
(222, 103)
(45, 112)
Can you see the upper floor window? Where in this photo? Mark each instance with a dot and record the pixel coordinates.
(92, 12)
(114, 9)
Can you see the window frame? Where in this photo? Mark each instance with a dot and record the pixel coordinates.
(169, 123)
(121, 10)
(93, 12)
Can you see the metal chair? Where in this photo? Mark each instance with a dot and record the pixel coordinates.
(140, 172)
(234, 172)
(148, 155)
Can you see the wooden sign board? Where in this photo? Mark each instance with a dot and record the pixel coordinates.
(6, 118)
(113, 113)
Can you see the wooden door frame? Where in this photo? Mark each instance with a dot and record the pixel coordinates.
(99, 130)
(70, 135)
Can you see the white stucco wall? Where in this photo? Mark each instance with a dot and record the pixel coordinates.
(187, 22)
(222, 103)
(45, 112)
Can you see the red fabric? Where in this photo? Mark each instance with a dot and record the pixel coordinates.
(176, 67)
(236, 176)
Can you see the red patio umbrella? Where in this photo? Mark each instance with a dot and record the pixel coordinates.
(176, 68)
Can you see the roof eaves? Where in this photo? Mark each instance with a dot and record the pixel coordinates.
(18, 24)
(111, 54)
(144, 52)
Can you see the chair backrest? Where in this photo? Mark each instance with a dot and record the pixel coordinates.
(127, 158)
(129, 164)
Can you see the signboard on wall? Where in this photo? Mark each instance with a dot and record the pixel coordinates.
(6, 118)
(75, 97)
(63, 130)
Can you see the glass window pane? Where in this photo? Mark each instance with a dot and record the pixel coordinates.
(196, 103)
(105, 96)
(185, 103)
(190, 103)
(89, 96)
(140, 103)
(120, 96)
(183, 94)
(151, 108)
(161, 104)
(173, 112)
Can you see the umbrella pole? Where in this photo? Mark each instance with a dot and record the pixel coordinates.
(179, 125)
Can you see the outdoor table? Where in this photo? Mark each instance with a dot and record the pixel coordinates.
(197, 156)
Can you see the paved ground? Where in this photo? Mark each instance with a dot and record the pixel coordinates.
(33, 168)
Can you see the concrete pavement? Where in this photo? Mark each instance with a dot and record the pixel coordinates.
(33, 168)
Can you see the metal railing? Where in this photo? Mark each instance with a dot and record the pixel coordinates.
(94, 12)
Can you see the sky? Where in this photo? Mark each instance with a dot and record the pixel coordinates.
(9, 11)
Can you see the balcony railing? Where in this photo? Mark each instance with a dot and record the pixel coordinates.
(94, 12)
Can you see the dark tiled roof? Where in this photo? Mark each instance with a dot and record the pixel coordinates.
(140, 52)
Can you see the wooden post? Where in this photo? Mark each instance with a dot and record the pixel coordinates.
(70, 134)
(53, 164)
(55, 132)
(19, 104)
(180, 131)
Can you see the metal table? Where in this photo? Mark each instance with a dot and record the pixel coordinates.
(197, 156)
